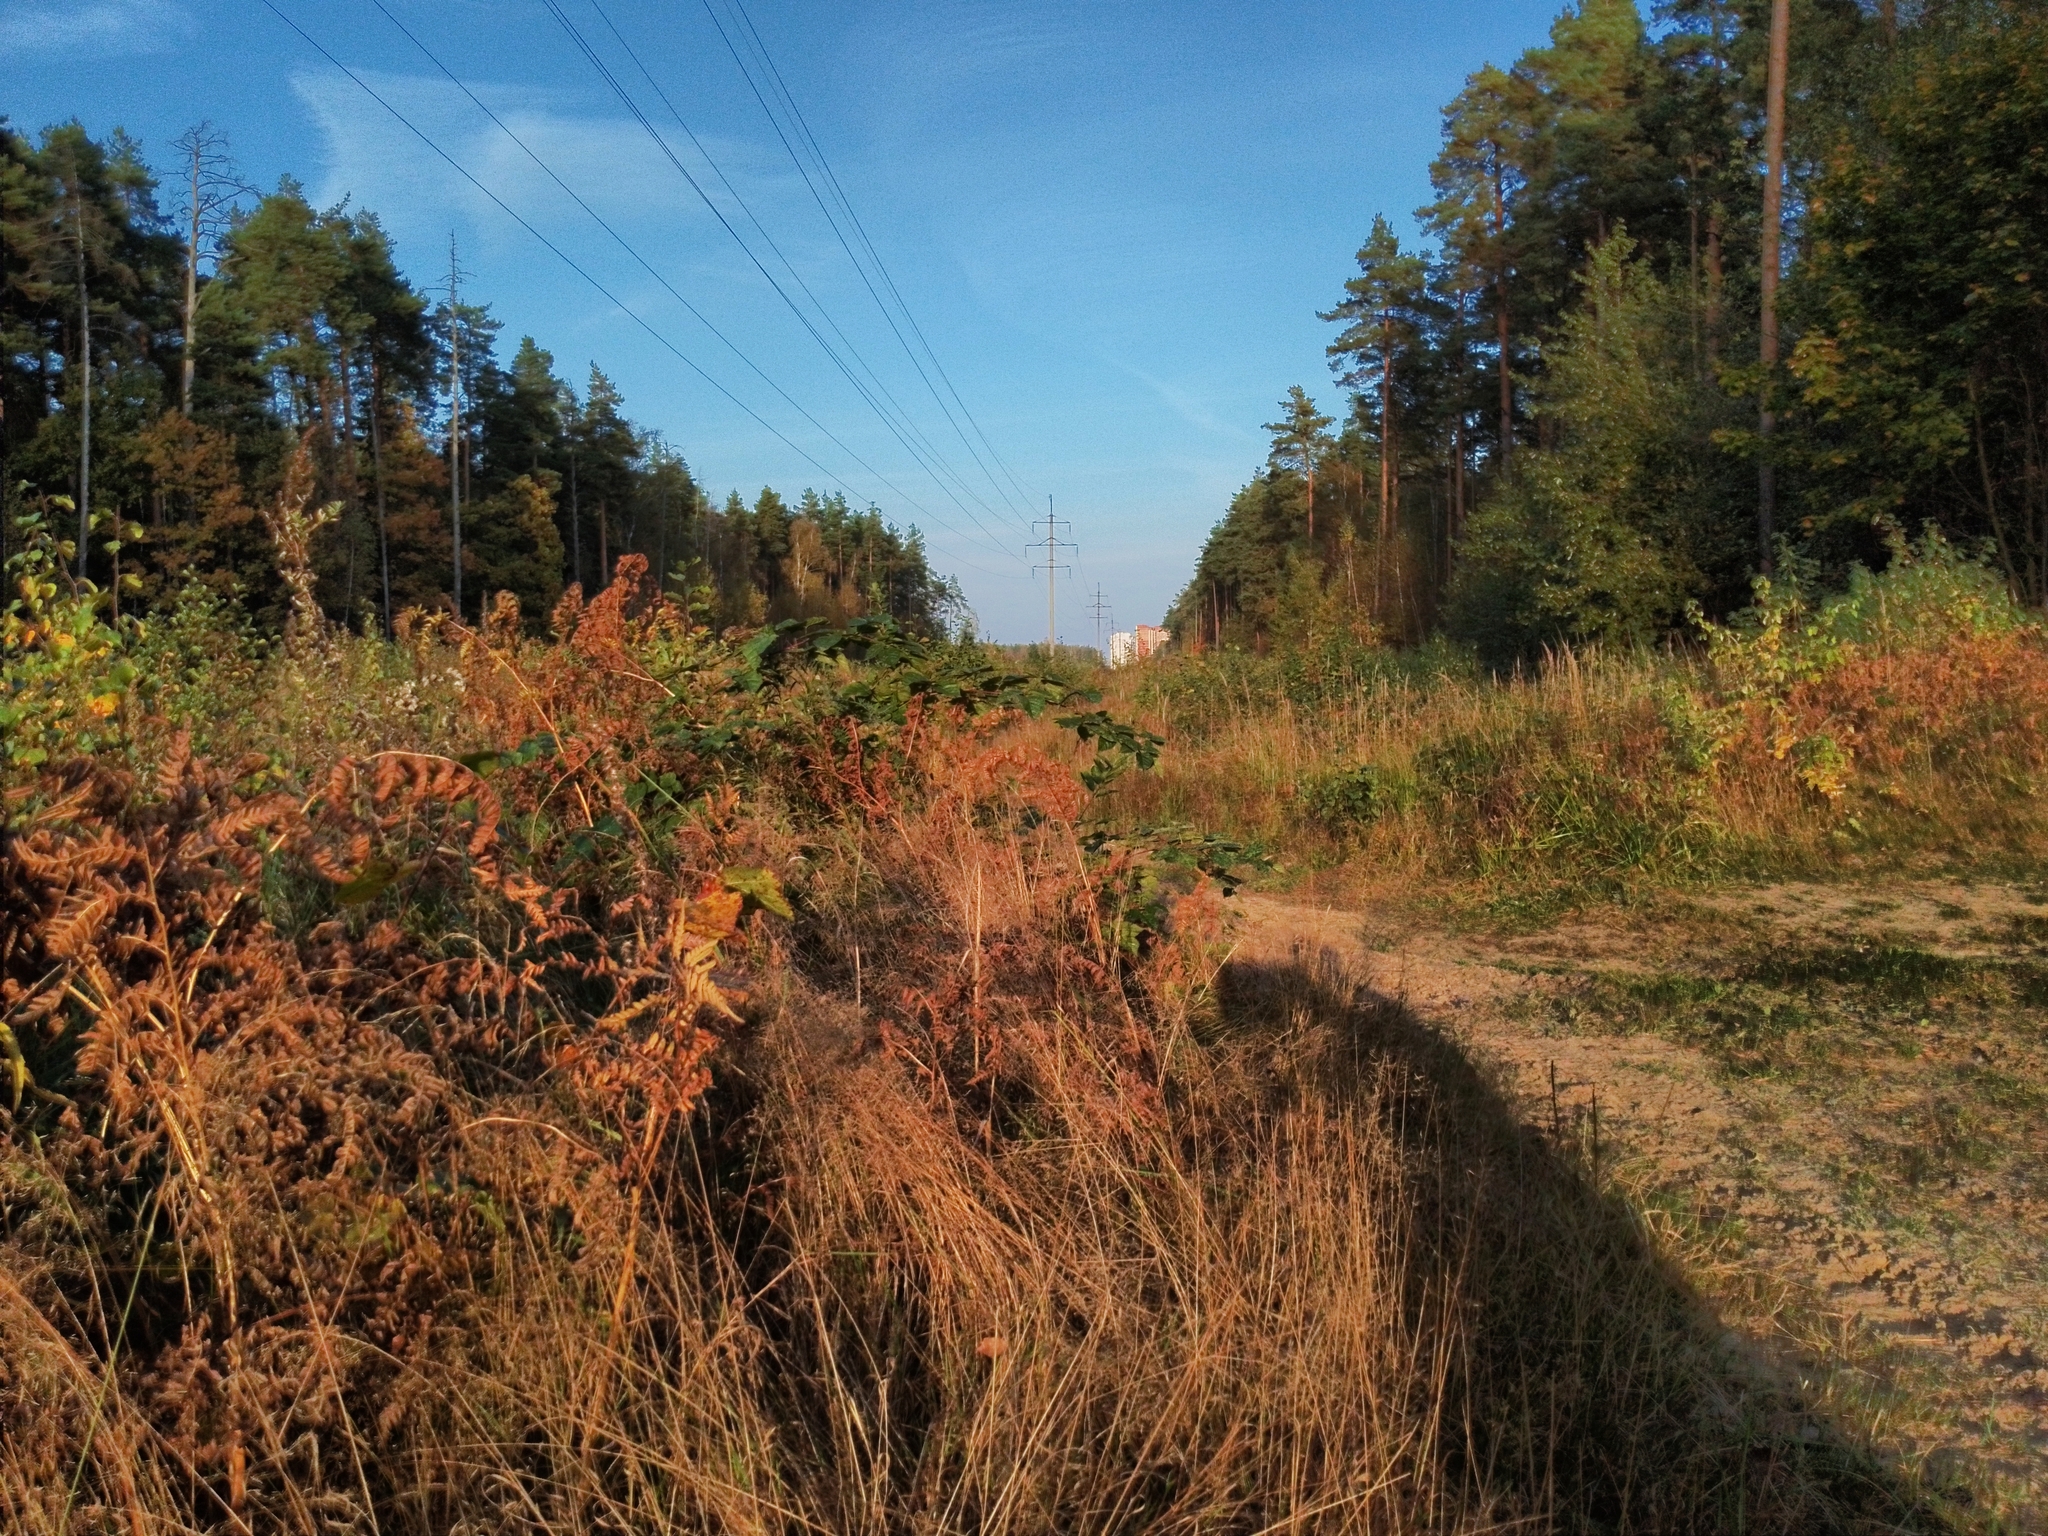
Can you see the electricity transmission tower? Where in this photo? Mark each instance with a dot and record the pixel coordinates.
(1052, 567)
(1105, 617)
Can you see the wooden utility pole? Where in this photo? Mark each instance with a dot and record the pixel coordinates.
(455, 415)
(84, 383)
(1774, 182)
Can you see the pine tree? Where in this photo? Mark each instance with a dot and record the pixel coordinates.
(1494, 136)
(1385, 310)
(1297, 440)
(607, 447)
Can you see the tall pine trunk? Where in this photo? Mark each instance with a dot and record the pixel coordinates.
(1500, 289)
(1774, 179)
(377, 469)
(186, 362)
(575, 522)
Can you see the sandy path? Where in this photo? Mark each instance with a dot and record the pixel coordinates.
(1768, 1156)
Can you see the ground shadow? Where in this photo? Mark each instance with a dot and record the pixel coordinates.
(1600, 1391)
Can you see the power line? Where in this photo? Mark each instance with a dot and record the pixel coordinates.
(605, 73)
(625, 97)
(627, 246)
(788, 99)
(909, 422)
(873, 254)
(573, 265)
(566, 259)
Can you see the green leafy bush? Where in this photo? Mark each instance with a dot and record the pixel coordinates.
(1929, 594)
(1348, 799)
(65, 671)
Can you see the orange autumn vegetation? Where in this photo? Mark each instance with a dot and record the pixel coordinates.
(648, 1079)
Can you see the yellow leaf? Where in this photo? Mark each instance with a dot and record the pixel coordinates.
(715, 915)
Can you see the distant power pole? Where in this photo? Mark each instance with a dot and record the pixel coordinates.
(1052, 568)
(1105, 615)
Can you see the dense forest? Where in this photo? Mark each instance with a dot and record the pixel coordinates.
(1576, 412)
(168, 338)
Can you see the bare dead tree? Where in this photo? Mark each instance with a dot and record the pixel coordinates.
(212, 191)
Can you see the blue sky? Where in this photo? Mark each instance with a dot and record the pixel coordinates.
(1114, 222)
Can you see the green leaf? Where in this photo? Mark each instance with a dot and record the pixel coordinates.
(760, 887)
(484, 764)
(367, 884)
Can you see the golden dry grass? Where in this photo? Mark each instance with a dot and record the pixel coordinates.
(999, 1214)
(1594, 775)
(1331, 1285)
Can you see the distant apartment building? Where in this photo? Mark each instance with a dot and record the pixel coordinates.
(1127, 646)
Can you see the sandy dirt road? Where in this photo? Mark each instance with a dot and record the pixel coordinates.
(1937, 1286)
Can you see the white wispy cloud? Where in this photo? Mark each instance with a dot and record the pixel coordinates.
(610, 162)
(1198, 409)
(100, 27)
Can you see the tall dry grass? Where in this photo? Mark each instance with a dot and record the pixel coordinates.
(1591, 774)
(435, 1148)
(1329, 1284)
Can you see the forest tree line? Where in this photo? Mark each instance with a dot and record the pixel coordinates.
(1564, 424)
(168, 339)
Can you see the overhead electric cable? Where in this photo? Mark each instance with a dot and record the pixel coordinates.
(627, 246)
(574, 266)
(662, 144)
(832, 178)
(838, 231)
(908, 421)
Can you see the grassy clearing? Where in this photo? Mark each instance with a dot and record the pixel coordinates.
(1330, 1279)
(673, 1082)
(1872, 1214)
(1904, 724)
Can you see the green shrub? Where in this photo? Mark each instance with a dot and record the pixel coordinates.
(65, 672)
(1351, 798)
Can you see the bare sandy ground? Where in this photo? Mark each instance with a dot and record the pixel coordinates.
(1954, 1296)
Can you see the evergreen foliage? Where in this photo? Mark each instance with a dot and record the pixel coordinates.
(1552, 437)
(304, 328)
